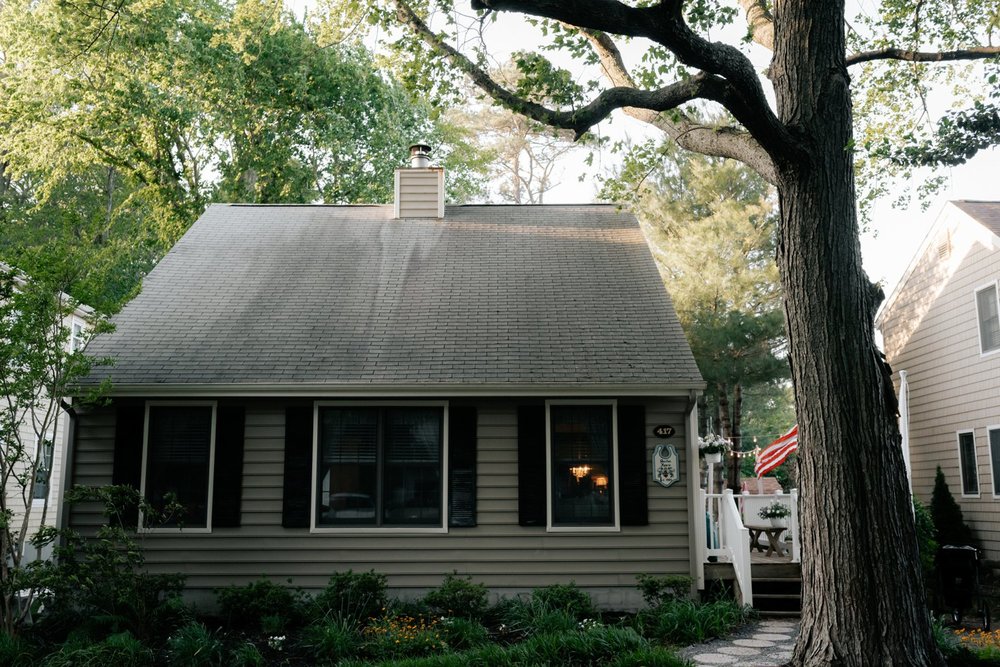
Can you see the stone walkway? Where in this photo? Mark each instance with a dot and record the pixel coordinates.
(767, 643)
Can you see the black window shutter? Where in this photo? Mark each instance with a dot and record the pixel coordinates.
(296, 501)
(461, 466)
(531, 465)
(228, 485)
(130, 423)
(632, 465)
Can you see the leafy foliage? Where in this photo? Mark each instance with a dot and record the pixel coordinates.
(661, 590)
(683, 622)
(353, 596)
(565, 597)
(262, 607)
(459, 596)
(118, 650)
(194, 645)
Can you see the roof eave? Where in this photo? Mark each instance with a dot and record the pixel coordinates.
(399, 390)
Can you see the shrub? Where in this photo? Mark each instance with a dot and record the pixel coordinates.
(353, 596)
(458, 596)
(657, 590)
(567, 597)
(927, 543)
(462, 633)
(682, 622)
(246, 655)
(118, 650)
(947, 515)
(395, 636)
(329, 641)
(194, 645)
(260, 608)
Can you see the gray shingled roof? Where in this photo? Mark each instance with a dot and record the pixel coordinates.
(332, 296)
(987, 213)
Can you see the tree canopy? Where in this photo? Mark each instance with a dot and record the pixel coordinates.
(123, 121)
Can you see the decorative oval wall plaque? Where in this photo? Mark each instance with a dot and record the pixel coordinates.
(663, 431)
(666, 466)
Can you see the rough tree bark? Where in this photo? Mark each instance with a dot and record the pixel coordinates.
(862, 590)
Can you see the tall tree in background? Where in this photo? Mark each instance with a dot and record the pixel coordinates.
(713, 225)
(860, 565)
(122, 121)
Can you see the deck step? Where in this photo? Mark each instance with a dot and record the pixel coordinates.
(777, 589)
(778, 614)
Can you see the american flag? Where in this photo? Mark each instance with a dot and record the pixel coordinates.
(775, 454)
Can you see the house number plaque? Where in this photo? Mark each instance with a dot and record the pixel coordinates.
(666, 465)
(663, 431)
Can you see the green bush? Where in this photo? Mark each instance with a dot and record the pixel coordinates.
(567, 597)
(462, 633)
(927, 543)
(261, 608)
(682, 622)
(330, 640)
(194, 645)
(530, 617)
(657, 590)
(353, 596)
(118, 650)
(458, 596)
(946, 514)
(246, 655)
(16, 651)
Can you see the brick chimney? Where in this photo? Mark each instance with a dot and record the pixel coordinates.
(419, 187)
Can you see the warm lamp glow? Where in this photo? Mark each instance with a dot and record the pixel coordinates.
(579, 471)
(601, 480)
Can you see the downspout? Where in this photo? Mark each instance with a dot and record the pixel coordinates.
(695, 513)
(904, 425)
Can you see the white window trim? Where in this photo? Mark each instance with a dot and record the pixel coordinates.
(975, 454)
(378, 530)
(979, 332)
(989, 448)
(211, 467)
(73, 322)
(40, 502)
(616, 473)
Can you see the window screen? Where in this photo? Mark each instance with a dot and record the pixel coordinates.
(581, 455)
(967, 455)
(178, 456)
(989, 320)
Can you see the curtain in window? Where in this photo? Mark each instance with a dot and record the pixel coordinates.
(348, 476)
(412, 486)
(582, 479)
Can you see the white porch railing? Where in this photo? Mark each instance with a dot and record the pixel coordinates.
(750, 506)
(726, 538)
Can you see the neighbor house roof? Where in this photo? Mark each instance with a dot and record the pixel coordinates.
(296, 298)
(986, 213)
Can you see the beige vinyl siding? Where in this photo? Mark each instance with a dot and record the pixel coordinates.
(498, 552)
(420, 193)
(932, 331)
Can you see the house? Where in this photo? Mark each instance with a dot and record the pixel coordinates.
(942, 330)
(413, 388)
(43, 434)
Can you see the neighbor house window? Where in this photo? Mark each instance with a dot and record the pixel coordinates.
(380, 466)
(43, 470)
(177, 463)
(582, 461)
(989, 319)
(967, 463)
(994, 433)
(76, 336)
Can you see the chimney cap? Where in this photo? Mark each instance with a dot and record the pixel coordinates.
(420, 155)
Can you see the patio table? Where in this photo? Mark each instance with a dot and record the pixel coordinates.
(773, 538)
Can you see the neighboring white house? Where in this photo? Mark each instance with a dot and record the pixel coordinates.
(941, 326)
(52, 448)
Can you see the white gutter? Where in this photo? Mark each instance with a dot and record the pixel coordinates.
(904, 425)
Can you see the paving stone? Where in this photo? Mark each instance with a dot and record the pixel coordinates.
(753, 643)
(771, 636)
(715, 659)
(738, 650)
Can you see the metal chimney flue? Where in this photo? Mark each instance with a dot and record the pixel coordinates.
(420, 156)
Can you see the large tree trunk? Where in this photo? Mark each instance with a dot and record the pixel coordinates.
(863, 600)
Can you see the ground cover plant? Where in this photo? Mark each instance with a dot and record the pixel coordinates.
(353, 622)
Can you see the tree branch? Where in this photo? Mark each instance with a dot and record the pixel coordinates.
(760, 21)
(726, 142)
(972, 53)
(664, 24)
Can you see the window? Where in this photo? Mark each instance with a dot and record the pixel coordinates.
(967, 463)
(177, 459)
(989, 319)
(44, 469)
(379, 467)
(76, 337)
(994, 433)
(582, 466)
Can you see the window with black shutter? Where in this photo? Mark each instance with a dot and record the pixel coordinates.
(582, 466)
(380, 466)
(178, 462)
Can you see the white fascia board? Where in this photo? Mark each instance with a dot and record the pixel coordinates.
(398, 391)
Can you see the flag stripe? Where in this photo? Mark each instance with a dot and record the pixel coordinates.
(775, 453)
